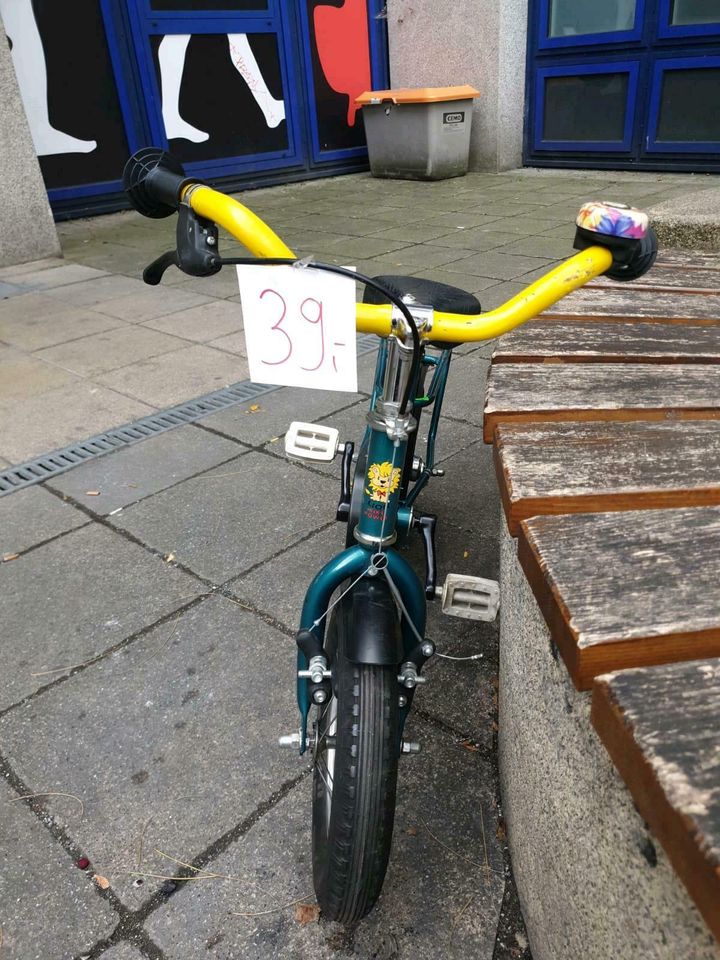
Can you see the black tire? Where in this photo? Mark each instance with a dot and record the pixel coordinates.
(354, 806)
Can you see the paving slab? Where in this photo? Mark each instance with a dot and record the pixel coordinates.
(138, 471)
(89, 293)
(33, 321)
(49, 907)
(223, 522)
(441, 897)
(206, 322)
(24, 376)
(101, 352)
(90, 589)
(61, 416)
(497, 264)
(471, 504)
(150, 303)
(57, 276)
(277, 588)
(167, 380)
(267, 418)
(172, 739)
(476, 238)
(33, 515)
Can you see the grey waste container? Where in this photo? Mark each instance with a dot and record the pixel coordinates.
(421, 134)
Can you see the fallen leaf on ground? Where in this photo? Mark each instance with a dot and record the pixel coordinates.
(412, 831)
(307, 913)
(253, 408)
(169, 557)
(92, 493)
(10, 556)
(101, 881)
(500, 829)
(469, 745)
(466, 554)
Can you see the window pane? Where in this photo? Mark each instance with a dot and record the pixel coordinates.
(690, 105)
(695, 11)
(590, 107)
(570, 18)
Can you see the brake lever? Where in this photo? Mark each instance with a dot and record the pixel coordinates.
(153, 272)
(197, 249)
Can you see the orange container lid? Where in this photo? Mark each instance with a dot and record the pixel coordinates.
(418, 94)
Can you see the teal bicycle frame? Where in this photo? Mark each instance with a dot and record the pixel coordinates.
(386, 513)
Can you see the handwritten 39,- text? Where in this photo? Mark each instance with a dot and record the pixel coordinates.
(299, 327)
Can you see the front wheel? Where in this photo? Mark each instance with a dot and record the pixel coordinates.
(354, 784)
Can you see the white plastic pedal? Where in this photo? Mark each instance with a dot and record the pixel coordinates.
(311, 441)
(472, 598)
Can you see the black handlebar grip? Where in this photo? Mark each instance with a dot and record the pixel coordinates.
(153, 180)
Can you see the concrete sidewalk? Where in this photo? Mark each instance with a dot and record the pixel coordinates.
(150, 598)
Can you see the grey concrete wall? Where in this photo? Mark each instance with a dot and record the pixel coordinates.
(27, 229)
(482, 42)
(589, 885)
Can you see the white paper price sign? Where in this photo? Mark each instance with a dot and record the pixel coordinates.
(299, 327)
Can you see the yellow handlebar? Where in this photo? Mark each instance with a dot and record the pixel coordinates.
(261, 241)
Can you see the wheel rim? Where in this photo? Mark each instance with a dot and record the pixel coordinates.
(324, 754)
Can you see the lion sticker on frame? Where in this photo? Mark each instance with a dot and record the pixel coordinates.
(384, 479)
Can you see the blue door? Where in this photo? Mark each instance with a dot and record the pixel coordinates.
(631, 84)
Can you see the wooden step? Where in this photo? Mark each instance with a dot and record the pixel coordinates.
(661, 726)
(629, 589)
(670, 279)
(555, 468)
(558, 341)
(537, 392)
(600, 303)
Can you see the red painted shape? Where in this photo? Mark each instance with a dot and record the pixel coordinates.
(343, 43)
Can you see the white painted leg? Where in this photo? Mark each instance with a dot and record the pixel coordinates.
(171, 55)
(247, 66)
(29, 61)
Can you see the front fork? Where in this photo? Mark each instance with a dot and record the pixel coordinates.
(349, 565)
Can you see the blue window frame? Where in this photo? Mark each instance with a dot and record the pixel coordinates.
(547, 42)
(628, 67)
(668, 30)
(660, 71)
(147, 23)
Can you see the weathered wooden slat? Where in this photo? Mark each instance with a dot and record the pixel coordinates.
(692, 259)
(671, 279)
(593, 303)
(561, 341)
(622, 590)
(557, 468)
(661, 726)
(537, 392)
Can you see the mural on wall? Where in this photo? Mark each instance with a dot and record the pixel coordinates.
(68, 90)
(340, 57)
(221, 94)
(171, 57)
(29, 62)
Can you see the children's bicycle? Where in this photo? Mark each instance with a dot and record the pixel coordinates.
(362, 643)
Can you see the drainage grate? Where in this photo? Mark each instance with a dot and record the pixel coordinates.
(51, 464)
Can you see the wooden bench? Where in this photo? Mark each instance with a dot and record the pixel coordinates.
(607, 450)
(660, 726)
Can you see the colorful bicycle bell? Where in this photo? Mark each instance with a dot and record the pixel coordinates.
(613, 220)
